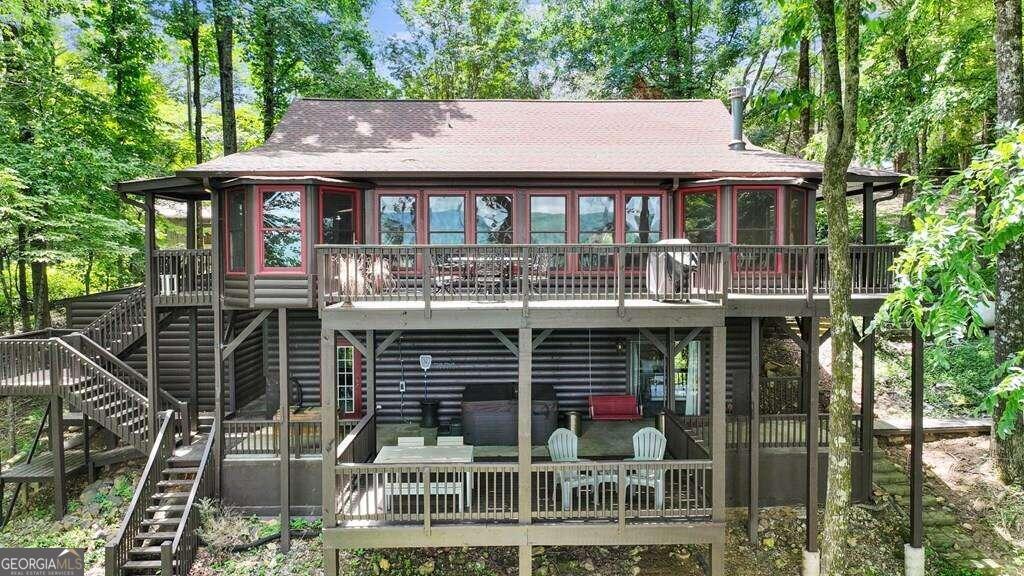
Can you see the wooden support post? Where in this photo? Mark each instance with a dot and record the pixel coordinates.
(811, 438)
(90, 471)
(869, 232)
(525, 415)
(60, 491)
(525, 560)
(152, 325)
(916, 438)
(755, 427)
(867, 409)
(328, 442)
(371, 373)
(670, 370)
(193, 355)
(218, 342)
(718, 444)
(284, 436)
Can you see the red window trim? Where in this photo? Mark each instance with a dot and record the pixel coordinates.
(356, 212)
(260, 267)
(681, 209)
(227, 232)
(788, 194)
(417, 194)
(628, 193)
(357, 377)
(466, 214)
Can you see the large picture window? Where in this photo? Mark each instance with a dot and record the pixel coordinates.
(757, 224)
(643, 219)
(596, 226)
(235, 218)
(494, 219)
(446, 217)
(398, 219)
(338, 217)
(796, 217)
(281, 226)
(548, 220)
(700, 216)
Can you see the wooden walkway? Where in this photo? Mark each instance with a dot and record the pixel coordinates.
(40, 469)
(951, 427)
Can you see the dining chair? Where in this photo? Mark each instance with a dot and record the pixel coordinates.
(648, 446)
(410, 441)
(450, 441)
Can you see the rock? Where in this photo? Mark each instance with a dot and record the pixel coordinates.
(538, 550)
(636, 570)
(588, 565)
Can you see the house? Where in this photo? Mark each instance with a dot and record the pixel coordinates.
(475, 274)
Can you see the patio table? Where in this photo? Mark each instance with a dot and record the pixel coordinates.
(412, 455)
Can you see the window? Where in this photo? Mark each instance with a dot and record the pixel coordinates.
(236, 230)
(756, 223)
(398, 219)
(596, 226)
(281, 227)
(347, 368)
(643, 219)
(338, 217)
(494, 219)
(548, 220)
(446, 217)
(700, 216)
(796, 217)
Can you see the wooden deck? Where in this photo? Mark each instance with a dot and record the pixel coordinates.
(950, 427)
(41, 468)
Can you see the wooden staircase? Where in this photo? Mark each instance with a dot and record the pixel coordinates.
(122, 325)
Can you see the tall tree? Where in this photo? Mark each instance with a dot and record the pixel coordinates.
(840, 94)
(223, 22)
(1009, 325)
(466, 49)
(307, 47)
(184, 21)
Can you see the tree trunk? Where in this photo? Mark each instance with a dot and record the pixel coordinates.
(197, 92)
(269, 77)
(840, 115)
(87, 277)
(41, 294)
(24, 303)
(803, 84)
(674, 60)
(901, 162)
(223, 25)
(1009, 327)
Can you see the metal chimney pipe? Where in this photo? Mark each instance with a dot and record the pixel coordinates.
(737, 95)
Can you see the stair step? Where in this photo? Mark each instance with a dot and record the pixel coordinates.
(175, 482)
(145, 551)
(170, 496)
(162, 521)
(136, 565)
(165, 508)
(181, 470)
(143, 536)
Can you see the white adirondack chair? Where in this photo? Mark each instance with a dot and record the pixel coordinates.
(648, 445)
(410, 441)
(563, 446)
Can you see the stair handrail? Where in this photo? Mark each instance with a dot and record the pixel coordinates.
(121, 542)
(181, 407)
(186, 537)
(133, 302)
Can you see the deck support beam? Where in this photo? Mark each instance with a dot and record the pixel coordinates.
(525, 416)
(755, 428)
(718, 443)
(328, 443)
(216, 258)
(152, 325)
(670, 369)
(867, 408)
(371, 373)
(811, 332)
(914, 551)
(282, 375)
(60, 494)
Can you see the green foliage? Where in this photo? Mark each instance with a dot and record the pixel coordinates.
(948, 267)
(473, 49)
(958, 376)
(649, 48)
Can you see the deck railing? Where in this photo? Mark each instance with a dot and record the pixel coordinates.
(777, 430)
(177, 555)
(183, 277)
(248, 438)
(360, 443)
(618, 273)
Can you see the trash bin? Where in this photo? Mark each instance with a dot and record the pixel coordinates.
(575, 422)
(659, 420)
(428, 413)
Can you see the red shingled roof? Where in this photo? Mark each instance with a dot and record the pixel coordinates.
(509, 138)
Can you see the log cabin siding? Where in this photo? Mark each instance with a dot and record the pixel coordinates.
(236, 291)
(280, 290)
(249, 379)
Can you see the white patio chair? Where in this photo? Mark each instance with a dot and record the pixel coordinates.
(648, 446)
(410, 441)
(563, 446)
(450, 441)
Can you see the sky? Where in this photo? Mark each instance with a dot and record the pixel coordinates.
(384, 23)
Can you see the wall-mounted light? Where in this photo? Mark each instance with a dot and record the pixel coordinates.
(620, 346)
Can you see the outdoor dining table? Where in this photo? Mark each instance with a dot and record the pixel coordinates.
(395, 485)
